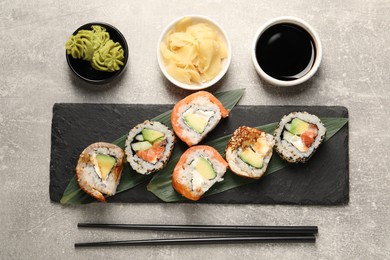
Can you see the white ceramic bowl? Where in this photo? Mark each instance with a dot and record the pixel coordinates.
(302, 24)
(225, 62)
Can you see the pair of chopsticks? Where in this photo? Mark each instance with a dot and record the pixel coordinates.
(237, 234)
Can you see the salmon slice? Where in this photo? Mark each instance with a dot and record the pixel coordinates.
(154, 153)
(175, 116)
(309, 135)
(179, 186)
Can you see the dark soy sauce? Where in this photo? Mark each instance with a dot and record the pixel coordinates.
(285, 51)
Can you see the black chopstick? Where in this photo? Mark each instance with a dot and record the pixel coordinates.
(203, 241)
(255, 230)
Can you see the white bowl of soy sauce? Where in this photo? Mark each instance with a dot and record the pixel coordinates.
(286, 51)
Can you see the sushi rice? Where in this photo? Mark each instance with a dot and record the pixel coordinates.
(89, 175)
(205, 107)
(188, 181)
(138, 164)
(199, 105)
(246, 138)
(286, 149)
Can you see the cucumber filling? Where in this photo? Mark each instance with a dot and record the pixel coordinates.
(141, 146)
(295, 140)
(146, 139)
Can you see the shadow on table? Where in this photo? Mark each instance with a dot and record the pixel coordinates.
(293, 90)
(99, 88)
(180, 93)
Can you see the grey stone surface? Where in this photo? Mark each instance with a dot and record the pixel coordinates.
(34, 75)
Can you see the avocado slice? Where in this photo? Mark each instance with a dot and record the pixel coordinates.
(297, 126)
(197, 122)
(105, 164)
(141, 146)
(151, 135)
(204, 167)
(253, 159)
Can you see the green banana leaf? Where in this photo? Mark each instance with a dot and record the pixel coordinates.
(74, 195)
(161, 183)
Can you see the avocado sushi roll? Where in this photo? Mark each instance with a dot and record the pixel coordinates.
(149, 146)
(99, 169)
(298, 136)
(196, 115)
(199, 168)
(249, 151)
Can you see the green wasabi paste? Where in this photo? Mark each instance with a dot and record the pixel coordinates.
(109, 57)
(95, 46)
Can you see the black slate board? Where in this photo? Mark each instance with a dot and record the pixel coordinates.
(324, 180)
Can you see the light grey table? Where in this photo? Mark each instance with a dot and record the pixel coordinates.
(34, 75)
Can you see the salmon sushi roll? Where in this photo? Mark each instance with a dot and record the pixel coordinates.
(199, 168)
(196, 115)
(99, 169)
(249, 151)
(149, 146)
(298, 136)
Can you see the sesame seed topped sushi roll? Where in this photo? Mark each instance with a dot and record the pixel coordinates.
(199, 168)
(99, 169)
(249, 151)
(149, 146)
(298, 136)
(196, 115)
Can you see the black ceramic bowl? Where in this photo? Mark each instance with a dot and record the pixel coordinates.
(84, 70)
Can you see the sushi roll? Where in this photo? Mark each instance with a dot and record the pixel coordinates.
(99, 169)
(199, 168)
(249, 151)
(149, 146)
(196, 115)
(298, 136)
